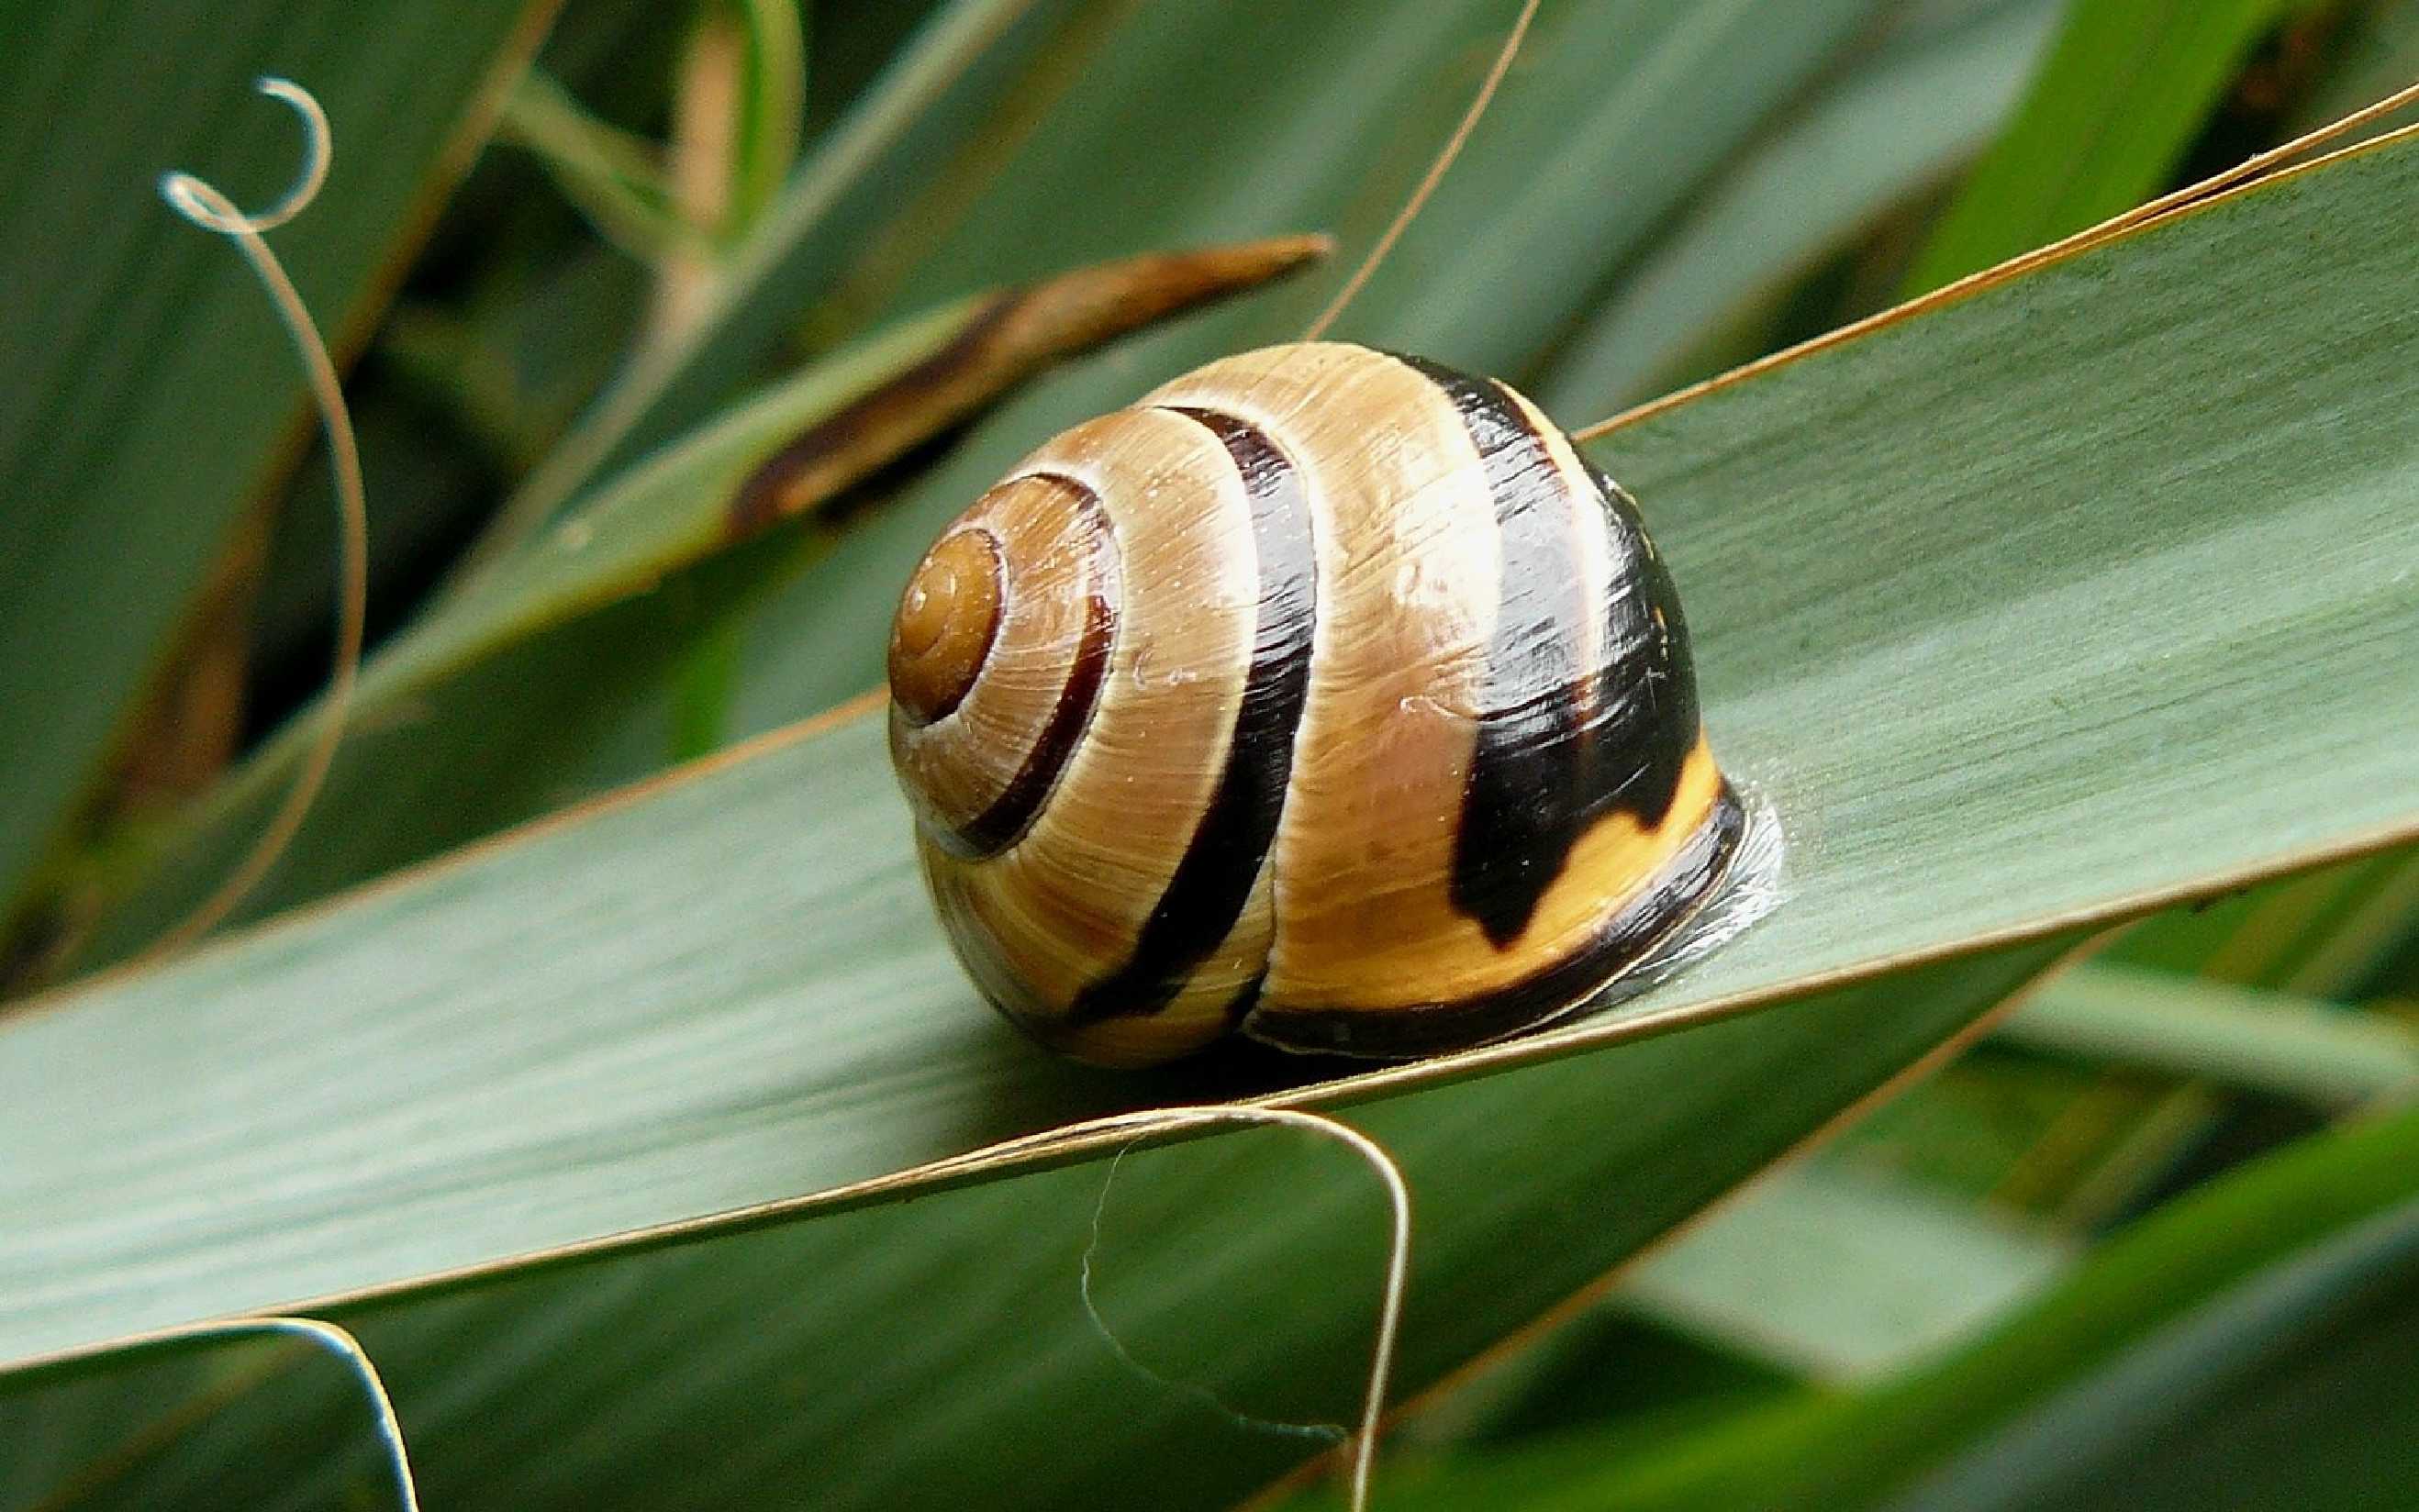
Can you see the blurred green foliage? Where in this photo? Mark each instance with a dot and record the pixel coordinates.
(2150, 1245)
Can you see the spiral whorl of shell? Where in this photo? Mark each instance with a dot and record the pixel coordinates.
(1325, 693)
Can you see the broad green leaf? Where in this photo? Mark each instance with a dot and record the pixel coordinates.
(2289, 1391)
(152, 398)
(141, 1410)
(2189, 1313)
(779, 457)
(2005, 708)
(1834, 1273)
(2293, 1047)
(2104, 124)
(2113, 112)
(936, 1353)
(2322, 935)
(166, 1404)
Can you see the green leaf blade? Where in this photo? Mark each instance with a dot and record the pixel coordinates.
(2292, 1048)
(154, 395)
(2159, 1324)
(2114, 108)
(1922, 104)
(1983, 721)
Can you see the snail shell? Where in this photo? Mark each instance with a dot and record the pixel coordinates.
(1323, 694)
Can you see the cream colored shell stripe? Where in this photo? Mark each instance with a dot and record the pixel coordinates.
(1063, 905)
(1411, 538)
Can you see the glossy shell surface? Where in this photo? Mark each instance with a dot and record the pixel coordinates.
(1325, 694)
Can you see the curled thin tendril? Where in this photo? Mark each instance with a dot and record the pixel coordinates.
(197, 202)
(203, 205)
(1324, 1432)
(1143, 1124)
(345, 1346)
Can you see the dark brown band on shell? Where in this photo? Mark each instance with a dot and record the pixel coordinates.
(1695, 872)
(1528, 799)
(1213, 881)
(999, 825)
(1647, 720)
(1561, 745)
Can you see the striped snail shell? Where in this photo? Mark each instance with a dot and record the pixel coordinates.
(1324, 694)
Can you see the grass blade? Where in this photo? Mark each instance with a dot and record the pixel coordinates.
(2267, 1041)
(2104, 123)
(1921, 106)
